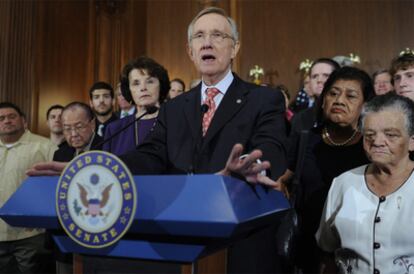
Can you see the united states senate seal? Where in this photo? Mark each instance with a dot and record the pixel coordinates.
(96, 199)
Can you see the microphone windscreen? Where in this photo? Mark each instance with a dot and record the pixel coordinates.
(151, 109)
(204, 108)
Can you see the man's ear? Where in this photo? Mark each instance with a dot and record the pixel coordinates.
(190, 52)
(25, 125)
(236, 48)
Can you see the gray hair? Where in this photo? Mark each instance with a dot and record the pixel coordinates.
(234, 32)
(394, 102)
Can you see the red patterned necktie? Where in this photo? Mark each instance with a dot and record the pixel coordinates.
(208, 116)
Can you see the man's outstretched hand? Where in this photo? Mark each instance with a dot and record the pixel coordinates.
(247, 167)
(46, 169)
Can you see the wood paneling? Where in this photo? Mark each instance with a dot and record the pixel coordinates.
(120, 31)
(52, 51)
(167, 34)
(167, 24)
(278, 35)
(17, 80)
(83, 42)
(64, 61)
(133, 32)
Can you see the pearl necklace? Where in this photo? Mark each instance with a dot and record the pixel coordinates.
(326, 134)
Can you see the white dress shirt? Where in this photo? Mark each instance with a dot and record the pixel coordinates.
(222, 86)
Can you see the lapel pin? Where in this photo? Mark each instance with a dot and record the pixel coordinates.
(238, 101)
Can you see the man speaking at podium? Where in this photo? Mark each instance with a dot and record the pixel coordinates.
(198, 130)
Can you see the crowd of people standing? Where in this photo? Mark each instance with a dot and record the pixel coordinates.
(357, 132)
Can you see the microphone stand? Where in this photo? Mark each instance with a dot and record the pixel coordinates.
(150, 110)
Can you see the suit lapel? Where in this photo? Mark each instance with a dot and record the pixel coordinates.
(192, 110)
(232, 102)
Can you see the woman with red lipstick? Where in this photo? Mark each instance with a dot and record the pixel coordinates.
(333, 147)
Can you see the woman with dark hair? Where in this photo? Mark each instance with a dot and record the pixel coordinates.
(333, 147)
(145, 83)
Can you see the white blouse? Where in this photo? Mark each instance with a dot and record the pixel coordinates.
(367, 233)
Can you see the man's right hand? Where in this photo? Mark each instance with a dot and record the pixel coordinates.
(46, 169)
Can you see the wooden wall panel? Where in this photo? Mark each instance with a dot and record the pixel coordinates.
(133, 33)
(120, 36)
(278, 35)
(64, 69)
(52, 51)
(17, 81)
(167, 23)
(82, 42)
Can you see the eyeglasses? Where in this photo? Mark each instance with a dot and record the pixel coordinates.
(215, 37)
(77, 128)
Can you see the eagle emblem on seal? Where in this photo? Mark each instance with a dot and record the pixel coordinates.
(94, 203)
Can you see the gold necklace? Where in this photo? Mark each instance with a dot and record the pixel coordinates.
(326, 134)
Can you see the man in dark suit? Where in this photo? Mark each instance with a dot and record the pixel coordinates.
(244, 113)
(197, 131)
(78, 123)
(192, 138)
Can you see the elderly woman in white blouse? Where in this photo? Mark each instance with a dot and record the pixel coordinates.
(368, 220)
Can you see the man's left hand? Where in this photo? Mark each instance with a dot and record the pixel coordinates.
(247, 167)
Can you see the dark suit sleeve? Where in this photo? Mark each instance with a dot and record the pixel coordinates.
(270, 133)
(65, 153)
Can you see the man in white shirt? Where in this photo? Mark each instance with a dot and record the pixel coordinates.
(19, 150)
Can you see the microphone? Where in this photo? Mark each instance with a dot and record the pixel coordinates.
(149, 110)
(197, 140)
(204, 109)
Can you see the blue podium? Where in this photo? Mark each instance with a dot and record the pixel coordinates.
(179, 218)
